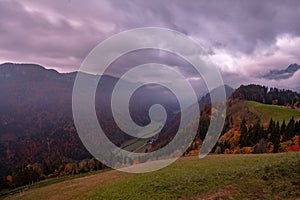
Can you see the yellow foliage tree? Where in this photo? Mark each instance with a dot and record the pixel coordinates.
(296, 139)
(247, 150)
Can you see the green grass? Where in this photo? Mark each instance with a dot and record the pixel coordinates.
(48, 182)
(135, 144)
(264, 176)
(191, 177)
(266, 112)
(140, 144)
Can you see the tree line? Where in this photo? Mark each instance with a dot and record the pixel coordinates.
(36, 172)
(257, 138)
(263, 94)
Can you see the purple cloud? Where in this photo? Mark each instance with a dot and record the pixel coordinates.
(248, 38)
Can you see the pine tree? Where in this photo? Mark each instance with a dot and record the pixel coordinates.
(244, 134)
(271, 126)
(275, 137)
(250, 136)
(257, 135)
(297, 128)
(283, 130)
(290, 129)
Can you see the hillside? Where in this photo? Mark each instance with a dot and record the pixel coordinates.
(266, 176)
(253, 111)
(36, 114)
(253, 127)
(263, 94)
(266, 112)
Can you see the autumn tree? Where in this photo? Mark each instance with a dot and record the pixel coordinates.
(24, 176)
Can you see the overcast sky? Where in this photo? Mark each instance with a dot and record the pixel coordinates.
(246, 39)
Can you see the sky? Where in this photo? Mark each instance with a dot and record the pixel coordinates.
(246, 39)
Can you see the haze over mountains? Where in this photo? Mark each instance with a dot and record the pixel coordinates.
(36, 113)
(36, 122)
(49, 124)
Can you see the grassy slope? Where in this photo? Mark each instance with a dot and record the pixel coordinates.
(266, 112)
(265, 176)
(140, 144)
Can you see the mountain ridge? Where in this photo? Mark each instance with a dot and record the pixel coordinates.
(45, 104)
(283, 73)
(36, 114)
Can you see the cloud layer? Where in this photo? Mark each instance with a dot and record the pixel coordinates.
(246, 39)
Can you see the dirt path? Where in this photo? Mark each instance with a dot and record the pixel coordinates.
(72, 188)
(222, 193)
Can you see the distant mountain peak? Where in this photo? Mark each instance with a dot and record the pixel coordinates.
(283, 73)
(293, 67)
(21, 65)
(16, 71)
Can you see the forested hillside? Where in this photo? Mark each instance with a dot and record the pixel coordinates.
(266, 95)
(38, 139)
(36, 123)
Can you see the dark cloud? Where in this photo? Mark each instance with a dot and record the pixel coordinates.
(249, 38)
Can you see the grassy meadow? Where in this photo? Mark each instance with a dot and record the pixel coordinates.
(266, 112)
(260, 176)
